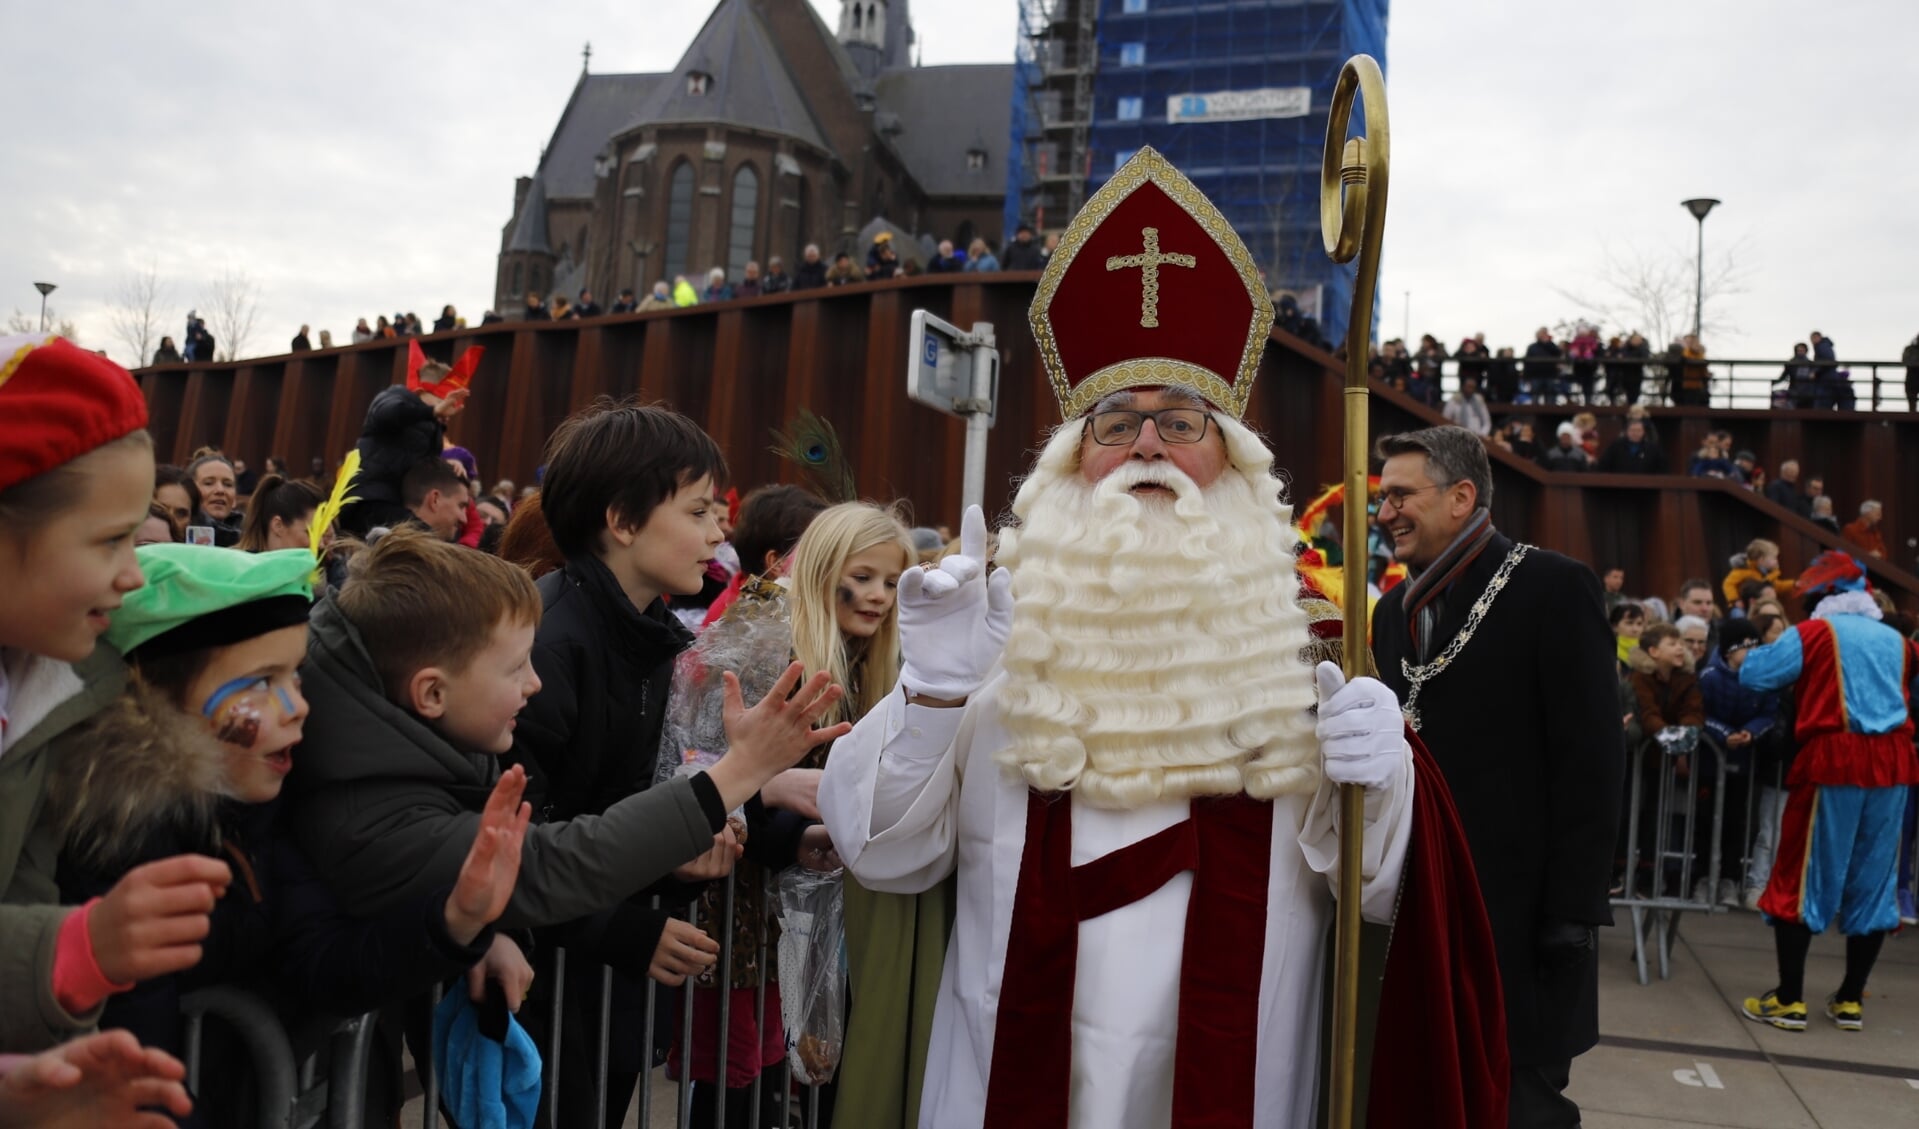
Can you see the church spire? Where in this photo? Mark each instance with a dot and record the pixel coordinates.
(586, 56)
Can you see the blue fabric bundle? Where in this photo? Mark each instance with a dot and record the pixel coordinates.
(489, 1072)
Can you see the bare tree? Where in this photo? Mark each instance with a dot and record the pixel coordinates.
(232, 303)
(22, 322)
(1652, 291)
(135, 312)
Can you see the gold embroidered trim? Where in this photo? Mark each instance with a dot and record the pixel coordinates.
(1148, 165)
(1151, 372)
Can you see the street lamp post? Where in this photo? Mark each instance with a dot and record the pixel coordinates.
(45, 288)
(1699, 206)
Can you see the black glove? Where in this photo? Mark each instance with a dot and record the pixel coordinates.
(1564, 945)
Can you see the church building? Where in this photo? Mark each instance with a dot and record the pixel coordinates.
(771, 133)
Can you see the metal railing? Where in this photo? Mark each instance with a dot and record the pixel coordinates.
(291, 1094)
(1672, 852)
(1735, 385)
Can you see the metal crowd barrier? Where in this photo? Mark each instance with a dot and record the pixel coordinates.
(1676, 826)
(292, 1095)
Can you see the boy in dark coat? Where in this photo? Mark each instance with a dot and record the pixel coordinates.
(630, 495)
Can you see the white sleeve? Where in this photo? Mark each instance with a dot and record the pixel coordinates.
(890, 796)
(1388, 830)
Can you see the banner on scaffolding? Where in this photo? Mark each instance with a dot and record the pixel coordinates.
(1241, 105)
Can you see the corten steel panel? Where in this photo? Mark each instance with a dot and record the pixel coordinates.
(166, 390)
(203, 411)
(302, 400)
(255, 407)
(742, 370)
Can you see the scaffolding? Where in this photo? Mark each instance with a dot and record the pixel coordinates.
(1097, 79)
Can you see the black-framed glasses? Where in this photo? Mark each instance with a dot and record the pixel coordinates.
(1119, 428)
(1395, 496)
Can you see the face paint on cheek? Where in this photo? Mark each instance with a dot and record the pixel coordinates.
(238, 724)
(846, 596)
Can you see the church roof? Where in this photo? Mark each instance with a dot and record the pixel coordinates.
(943, 112)
(750, 86)
(529, 229)
(600, 106)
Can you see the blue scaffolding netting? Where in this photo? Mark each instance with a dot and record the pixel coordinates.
(1262, 172)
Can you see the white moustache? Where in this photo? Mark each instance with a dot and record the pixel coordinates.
(1132, 473)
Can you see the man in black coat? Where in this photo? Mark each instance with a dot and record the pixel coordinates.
(1632, 453)
(403, 428)
(1022, 253)
(1523, 719)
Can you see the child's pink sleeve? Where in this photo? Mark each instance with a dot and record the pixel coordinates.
(78, 984)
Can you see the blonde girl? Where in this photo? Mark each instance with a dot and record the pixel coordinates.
(845, 578)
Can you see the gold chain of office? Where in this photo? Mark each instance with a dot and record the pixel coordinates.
(1420, 675)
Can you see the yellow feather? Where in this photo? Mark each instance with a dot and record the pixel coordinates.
(329, 510)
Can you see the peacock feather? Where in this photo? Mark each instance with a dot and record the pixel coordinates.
(811, 443)
(329, 511)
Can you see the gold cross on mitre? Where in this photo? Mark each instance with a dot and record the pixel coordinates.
(1149, 261)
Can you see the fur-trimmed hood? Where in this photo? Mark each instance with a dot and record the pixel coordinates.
(137, 767)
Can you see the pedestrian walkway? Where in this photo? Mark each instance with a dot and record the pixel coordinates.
(1678, 1054)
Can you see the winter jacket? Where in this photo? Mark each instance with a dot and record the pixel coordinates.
(1023, 256)
(400, 432)
(1715, 467)
(386, 808)
(1623, 456)
(1871, 538)
(46, 701)
(1673, 700)
(1565, 460)
(166, 355)
(721, 293)
(684, 295)
(277, 932)
(986, 262)
(1731, 707)
(809, 276)
(1471, 414)
(1787, 494)
(1781, 585)
(776, 282)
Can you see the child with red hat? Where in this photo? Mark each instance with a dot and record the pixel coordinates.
(76, 478)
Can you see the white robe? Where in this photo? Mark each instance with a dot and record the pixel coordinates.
(914, 792)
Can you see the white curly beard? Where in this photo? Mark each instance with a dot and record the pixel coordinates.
(1156, 644)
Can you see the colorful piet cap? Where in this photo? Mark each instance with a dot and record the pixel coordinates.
(197, 597)
(57, 402)
(1150, 287)
(1832, 571)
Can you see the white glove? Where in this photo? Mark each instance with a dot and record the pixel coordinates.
(1362, 734)
(953, 619)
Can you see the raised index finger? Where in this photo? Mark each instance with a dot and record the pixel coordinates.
(973, 534)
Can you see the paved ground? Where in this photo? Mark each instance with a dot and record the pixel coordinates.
(1677, 1054)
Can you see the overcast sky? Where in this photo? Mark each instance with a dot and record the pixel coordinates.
(358, 158)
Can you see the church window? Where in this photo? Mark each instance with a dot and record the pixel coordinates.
(746, 211)
(859, 17)
(975, 159)
(1132, 54)
(698, 82)
(679, 218)
(518, 278)
(1130, 108)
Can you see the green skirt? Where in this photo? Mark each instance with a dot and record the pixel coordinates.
(895, 953)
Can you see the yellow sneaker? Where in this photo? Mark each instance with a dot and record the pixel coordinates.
(1768, 1009)
(1849, 1015)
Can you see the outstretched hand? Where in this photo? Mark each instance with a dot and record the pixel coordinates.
(775, 734)
(954, 618)
(101, 1081)
(493, 863)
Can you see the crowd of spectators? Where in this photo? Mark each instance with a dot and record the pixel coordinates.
(1577, 366)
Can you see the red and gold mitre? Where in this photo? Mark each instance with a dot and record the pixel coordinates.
(1151, 287)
